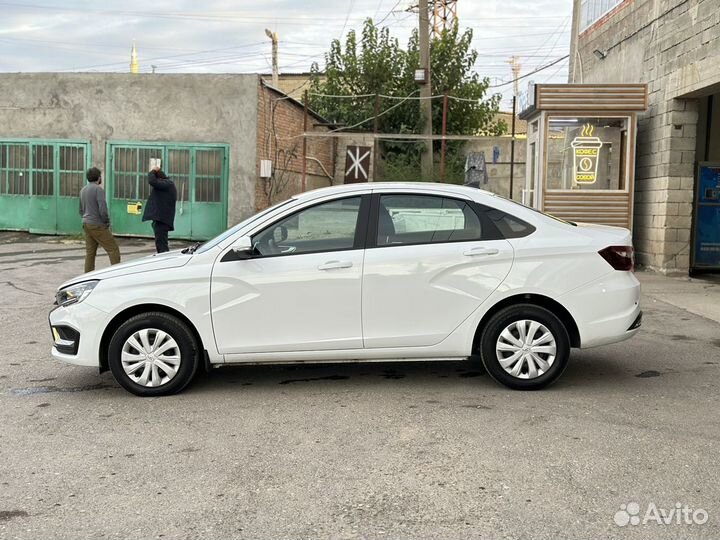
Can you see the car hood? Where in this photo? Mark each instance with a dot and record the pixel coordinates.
(159, 261)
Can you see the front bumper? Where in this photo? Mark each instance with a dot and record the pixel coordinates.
(76, 331)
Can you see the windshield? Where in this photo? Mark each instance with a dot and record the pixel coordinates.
(227, 234)
(537, 211)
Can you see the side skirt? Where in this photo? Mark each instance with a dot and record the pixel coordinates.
(341, 361)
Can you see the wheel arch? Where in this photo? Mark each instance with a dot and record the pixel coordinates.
(138, 309)
(537, 300)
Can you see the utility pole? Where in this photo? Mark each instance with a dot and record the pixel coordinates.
(274, 37)
(515, 68)
(426, 160)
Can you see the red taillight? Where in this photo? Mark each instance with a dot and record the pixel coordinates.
(619, 257)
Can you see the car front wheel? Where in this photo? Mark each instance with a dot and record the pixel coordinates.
(153, 354)
(525, 347)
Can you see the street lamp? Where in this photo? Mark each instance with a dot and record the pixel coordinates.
(274, 38)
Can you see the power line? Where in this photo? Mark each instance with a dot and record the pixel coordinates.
(556, 61)
(110, 64)
(221, 60)
(78, 45)
(377, 10)
(350, 7)
(560, 27)
(382, 113)
(567, 22)
(391, 12)
(549, 77)
(234, 16)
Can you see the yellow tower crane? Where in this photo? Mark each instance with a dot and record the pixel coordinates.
(444, 16)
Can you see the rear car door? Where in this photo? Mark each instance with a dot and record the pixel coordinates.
(300, 291)
(431, 260)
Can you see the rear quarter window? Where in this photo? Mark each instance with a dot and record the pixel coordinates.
(508, 225)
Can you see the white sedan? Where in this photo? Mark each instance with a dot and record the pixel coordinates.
(360, 273)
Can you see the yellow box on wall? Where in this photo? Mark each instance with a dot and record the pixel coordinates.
(134, 208)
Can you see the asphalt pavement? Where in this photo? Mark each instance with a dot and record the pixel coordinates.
(399, 450)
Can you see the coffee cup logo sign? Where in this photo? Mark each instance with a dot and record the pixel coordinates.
(586, 149)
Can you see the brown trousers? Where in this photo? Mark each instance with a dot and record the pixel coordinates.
(94, 235)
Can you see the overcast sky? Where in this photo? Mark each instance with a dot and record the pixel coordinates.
(229, 36)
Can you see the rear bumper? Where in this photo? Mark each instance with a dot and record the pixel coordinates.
(606, 310)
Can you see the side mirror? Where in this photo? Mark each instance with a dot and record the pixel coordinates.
(242, 248)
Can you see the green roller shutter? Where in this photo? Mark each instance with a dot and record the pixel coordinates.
(39, 185)
(200, 173)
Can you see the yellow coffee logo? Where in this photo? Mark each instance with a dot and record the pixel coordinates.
(586, 149)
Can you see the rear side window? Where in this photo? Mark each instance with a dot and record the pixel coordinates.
(425, 219)
(508, 226)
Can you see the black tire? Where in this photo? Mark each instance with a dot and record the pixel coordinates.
(502, 320)
(187, 346)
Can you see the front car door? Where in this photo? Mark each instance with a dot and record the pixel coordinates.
(301, 288)
(431, 260)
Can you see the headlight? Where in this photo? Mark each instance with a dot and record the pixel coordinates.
(75, 293)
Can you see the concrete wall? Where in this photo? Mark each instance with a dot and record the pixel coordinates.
(102, 107)
(499, 173)
(673, 46)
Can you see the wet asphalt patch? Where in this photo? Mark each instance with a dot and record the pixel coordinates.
(328, 378)
(7, 515)
(52, 389)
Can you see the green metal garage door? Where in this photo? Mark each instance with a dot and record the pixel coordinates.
(200, 173)
(40, 181)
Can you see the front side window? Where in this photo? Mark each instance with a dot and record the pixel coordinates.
(233, 230)
(424, 219)
(327, 226)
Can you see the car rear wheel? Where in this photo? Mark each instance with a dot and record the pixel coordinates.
(525, 347)
(153, 354)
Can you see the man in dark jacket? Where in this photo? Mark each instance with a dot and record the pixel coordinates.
(160, 207)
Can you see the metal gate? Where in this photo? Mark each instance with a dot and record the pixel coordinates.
(200, 173)
(40, 181)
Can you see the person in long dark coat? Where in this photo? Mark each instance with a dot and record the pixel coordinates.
(160, 207)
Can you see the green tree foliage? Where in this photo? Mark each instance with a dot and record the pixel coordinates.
(378, 65)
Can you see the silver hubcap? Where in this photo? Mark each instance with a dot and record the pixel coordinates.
(150, 357)
(526, 349)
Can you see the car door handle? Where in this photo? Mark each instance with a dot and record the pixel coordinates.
(480, 251)
(332, 265)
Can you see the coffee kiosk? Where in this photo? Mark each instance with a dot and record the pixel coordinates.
(580, 160)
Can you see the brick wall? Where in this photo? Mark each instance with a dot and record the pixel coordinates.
(674, 46)
(279, 139)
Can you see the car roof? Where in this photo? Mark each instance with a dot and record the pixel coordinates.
(432, 187)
